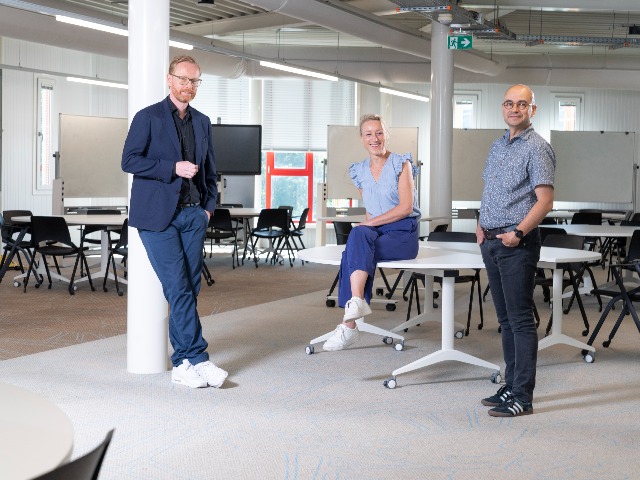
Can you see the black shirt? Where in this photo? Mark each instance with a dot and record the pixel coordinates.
(189, 192)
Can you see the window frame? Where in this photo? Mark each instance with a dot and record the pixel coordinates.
(43, 84)
(557, 99)
(472, 97)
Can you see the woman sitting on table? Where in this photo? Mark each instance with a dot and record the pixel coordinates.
(390, 232)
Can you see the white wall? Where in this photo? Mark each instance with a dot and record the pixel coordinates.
(19, 98)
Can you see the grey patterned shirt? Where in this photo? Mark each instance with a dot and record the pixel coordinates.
(513, 170)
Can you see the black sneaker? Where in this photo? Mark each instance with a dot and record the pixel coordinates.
(512, 407)
(501, 395)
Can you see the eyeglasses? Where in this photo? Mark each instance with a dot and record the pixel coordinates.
(522, 105)
(185, 80)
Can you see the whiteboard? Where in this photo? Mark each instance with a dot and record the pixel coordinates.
(344, 148)
(90, 156)
(468, 157)
(594, 166)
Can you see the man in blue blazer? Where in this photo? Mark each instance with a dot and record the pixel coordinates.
(169, 151)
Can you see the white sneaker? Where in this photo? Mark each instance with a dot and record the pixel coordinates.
(211, 374)
(356, 308)
(186, 374)
(342, 338)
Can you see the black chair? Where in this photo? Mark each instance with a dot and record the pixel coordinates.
(10, 231)
(297, 232)
(50, 236)
(121, 248)
(221, 228)
(589, 217)
(85, 233)
(273, 225)
(620, 292)
(575, 272)
(86, 467)
(444, 236)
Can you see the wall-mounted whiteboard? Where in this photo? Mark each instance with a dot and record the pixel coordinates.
(594, 166)
(344, 148)
(469, 155)
(90, 156)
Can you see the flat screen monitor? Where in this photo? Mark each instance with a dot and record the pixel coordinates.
(238, 149)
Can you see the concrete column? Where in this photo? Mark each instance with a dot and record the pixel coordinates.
(255, 93)
(441, 122)
(147, 319)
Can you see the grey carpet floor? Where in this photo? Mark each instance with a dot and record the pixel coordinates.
(286, 415)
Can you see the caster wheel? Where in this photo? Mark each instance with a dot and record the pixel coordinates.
(387, 340)
(309, 350)
(37, 285)
(459, 334)
(391, 307)
(379, 292)
(16, 284)
(391, 383)
(105, 289)
(330, 303)
(496, 377)
(590, 357)
(480, 327)
(399, 346)
(120, 294)
(606, 343)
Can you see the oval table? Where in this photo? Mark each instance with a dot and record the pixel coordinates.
(35, 435)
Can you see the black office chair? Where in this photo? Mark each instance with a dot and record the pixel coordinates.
(86, 240)
(474, 280)
(50, 236)
(297, 232)
(273, 225)
(121, 248)
(589, 217)
(9, 230)
(221, 228)
(620, 292)
(86, 467)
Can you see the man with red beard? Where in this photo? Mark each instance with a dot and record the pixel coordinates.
(169, 151)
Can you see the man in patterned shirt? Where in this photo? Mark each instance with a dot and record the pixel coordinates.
(518, 194)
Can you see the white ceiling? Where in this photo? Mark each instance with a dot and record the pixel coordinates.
(549, 42)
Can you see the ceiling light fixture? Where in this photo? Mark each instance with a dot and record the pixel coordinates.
(299, 71)
(400, 93)
(101, 83)
(115, 30)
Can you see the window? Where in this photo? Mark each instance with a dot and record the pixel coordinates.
(465, 110)
(45, 166)
(567, 112)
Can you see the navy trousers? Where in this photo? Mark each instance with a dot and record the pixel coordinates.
(176, 256)
(511, 273)
(366, 246)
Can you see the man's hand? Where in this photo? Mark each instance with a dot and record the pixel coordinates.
(186, 169)
(509, 239)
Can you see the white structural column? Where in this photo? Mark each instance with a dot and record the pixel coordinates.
(441, 122)
(147, 322)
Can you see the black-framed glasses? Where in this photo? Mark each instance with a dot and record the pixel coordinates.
(521, 104)
(185, 80)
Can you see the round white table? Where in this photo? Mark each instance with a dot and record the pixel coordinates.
(35, 435)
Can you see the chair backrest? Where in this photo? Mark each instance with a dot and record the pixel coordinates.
(273, 218)
(466, 237)
(544, 231)
(123, 241)
(633, 250)
(564, 241)
(587, 218)
(103, 211)
(221, 220)
(49, 229)
(441, 228)
(303, 219)
(86, 467)
(630, 223)
(548, 221)
(342, 231)
(289, 210)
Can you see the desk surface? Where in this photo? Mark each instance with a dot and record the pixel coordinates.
(81, 219)
(596, 230)
(36, 435)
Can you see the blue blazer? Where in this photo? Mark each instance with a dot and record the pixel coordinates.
(150, 153)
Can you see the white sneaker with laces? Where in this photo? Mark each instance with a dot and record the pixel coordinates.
(356, 308)
(185, 374)
(342, 338)
(211, 374)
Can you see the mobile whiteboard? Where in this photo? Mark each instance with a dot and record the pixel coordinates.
(344, 148)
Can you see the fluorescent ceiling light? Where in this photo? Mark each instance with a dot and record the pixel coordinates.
(299, 71)
(101, 83)
(400, 93)
(115, 30)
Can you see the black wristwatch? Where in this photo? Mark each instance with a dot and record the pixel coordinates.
(519, 233)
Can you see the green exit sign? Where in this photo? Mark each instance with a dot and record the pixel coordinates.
(460, 42)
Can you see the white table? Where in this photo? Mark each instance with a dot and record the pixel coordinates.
(603, 230)
(36, 436)
(83, 220)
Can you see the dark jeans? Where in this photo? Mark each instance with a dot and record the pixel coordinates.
(366, 246)
(511, 272)
(176, 256)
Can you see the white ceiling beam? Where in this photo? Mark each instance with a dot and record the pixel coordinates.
(247, 23)
(557, 5)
